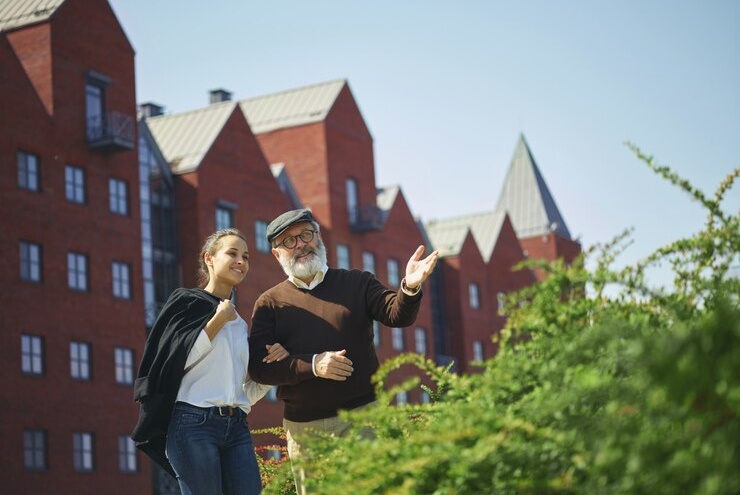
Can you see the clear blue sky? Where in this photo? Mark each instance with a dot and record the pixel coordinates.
(446, 87)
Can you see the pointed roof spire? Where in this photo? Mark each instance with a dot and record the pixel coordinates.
(527, 199)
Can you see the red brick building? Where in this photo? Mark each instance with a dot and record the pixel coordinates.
(72, 319)
(101, 218)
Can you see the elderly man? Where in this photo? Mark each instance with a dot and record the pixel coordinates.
(324, 317)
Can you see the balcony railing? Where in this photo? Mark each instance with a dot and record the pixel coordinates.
(364, 218)
(110, 132)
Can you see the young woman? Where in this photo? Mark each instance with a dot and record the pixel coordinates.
(193, 385)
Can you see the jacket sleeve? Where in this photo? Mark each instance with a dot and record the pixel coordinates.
(169, 342)
(294, 369)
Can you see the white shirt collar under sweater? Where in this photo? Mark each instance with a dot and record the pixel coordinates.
(317, 279)
(216, 371)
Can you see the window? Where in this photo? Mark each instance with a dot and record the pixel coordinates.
(272, 394)
(28, 171)
(124, 366)
(501, 299)
(376, 333)
(224, 218)
(425, 398)
(352, 208)
(74, 184)
(260, 236)
(77, 271)
(274, 454)
(121, 280)
(82, 451)
(343, 256)
(95, 109)
(79, 360)
(473, 295)
(30, 256)
(127, 457)
(34, 450)
(402, 398)
(397, 334)
(393, 274)
(421, 341)
(118, 196)
(32, 355)
(368, 262)
(477, 350)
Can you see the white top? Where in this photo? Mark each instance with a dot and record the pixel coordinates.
(216, 371)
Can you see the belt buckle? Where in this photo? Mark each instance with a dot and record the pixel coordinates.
(229, 410)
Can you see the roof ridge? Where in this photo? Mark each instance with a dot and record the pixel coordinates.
(295, 90)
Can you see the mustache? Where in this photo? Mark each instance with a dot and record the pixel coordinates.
(304, 250)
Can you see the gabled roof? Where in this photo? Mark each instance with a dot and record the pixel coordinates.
(285, 184)
(385, 198)
(527, 199)
(185, 138)
(291, 108)
(448, 235)
(18, 13)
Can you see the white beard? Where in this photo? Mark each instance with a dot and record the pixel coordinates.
(304, 268)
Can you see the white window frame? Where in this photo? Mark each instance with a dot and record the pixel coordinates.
(394, 273)
(74, 184)
(28, 171)
(121, 278)
(30, 261)
(260, 236)
(124, 365)
(478, 355)
(368, 262)
(398, 339)
(32, 355)
(77, 276)
(474, 295)
(118, 196)
(83, 452)
(80, 361)
(420, 340)
(343, 257)
(353, 210)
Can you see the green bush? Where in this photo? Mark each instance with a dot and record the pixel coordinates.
(603, 385)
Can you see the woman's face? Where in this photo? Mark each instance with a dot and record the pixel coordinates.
(230, 263)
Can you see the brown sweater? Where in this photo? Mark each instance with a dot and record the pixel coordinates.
(337, 314)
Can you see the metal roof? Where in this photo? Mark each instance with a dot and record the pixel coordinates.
(385, 198)
(185, 138)
(448, 235)
(527, 199)
(291, 108)
(18, 13)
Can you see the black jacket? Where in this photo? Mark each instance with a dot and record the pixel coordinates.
(163, 365)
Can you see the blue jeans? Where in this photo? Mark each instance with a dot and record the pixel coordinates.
(212, 454)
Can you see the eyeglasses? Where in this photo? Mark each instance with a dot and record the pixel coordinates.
(291, 241)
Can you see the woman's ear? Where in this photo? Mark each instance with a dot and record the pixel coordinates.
(208, 258)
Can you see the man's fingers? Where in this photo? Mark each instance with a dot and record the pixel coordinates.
(417, 254)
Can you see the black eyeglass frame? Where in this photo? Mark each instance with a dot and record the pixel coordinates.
(291, 241)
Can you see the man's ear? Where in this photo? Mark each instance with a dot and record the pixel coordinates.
(276, 253)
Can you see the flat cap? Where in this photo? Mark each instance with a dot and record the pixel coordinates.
(282, 222)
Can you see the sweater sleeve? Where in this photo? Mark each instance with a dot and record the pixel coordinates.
(393, 309)
(294, 369)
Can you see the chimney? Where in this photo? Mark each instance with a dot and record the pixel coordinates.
(220, 95)
(150, 110)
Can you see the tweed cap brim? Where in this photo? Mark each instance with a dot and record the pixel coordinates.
(282, 222)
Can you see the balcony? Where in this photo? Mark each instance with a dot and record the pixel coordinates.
(366, 218)
(111, 132)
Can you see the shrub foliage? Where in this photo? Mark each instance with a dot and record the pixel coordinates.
(602, 385)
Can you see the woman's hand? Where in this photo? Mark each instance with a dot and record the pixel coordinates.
(275, 352)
